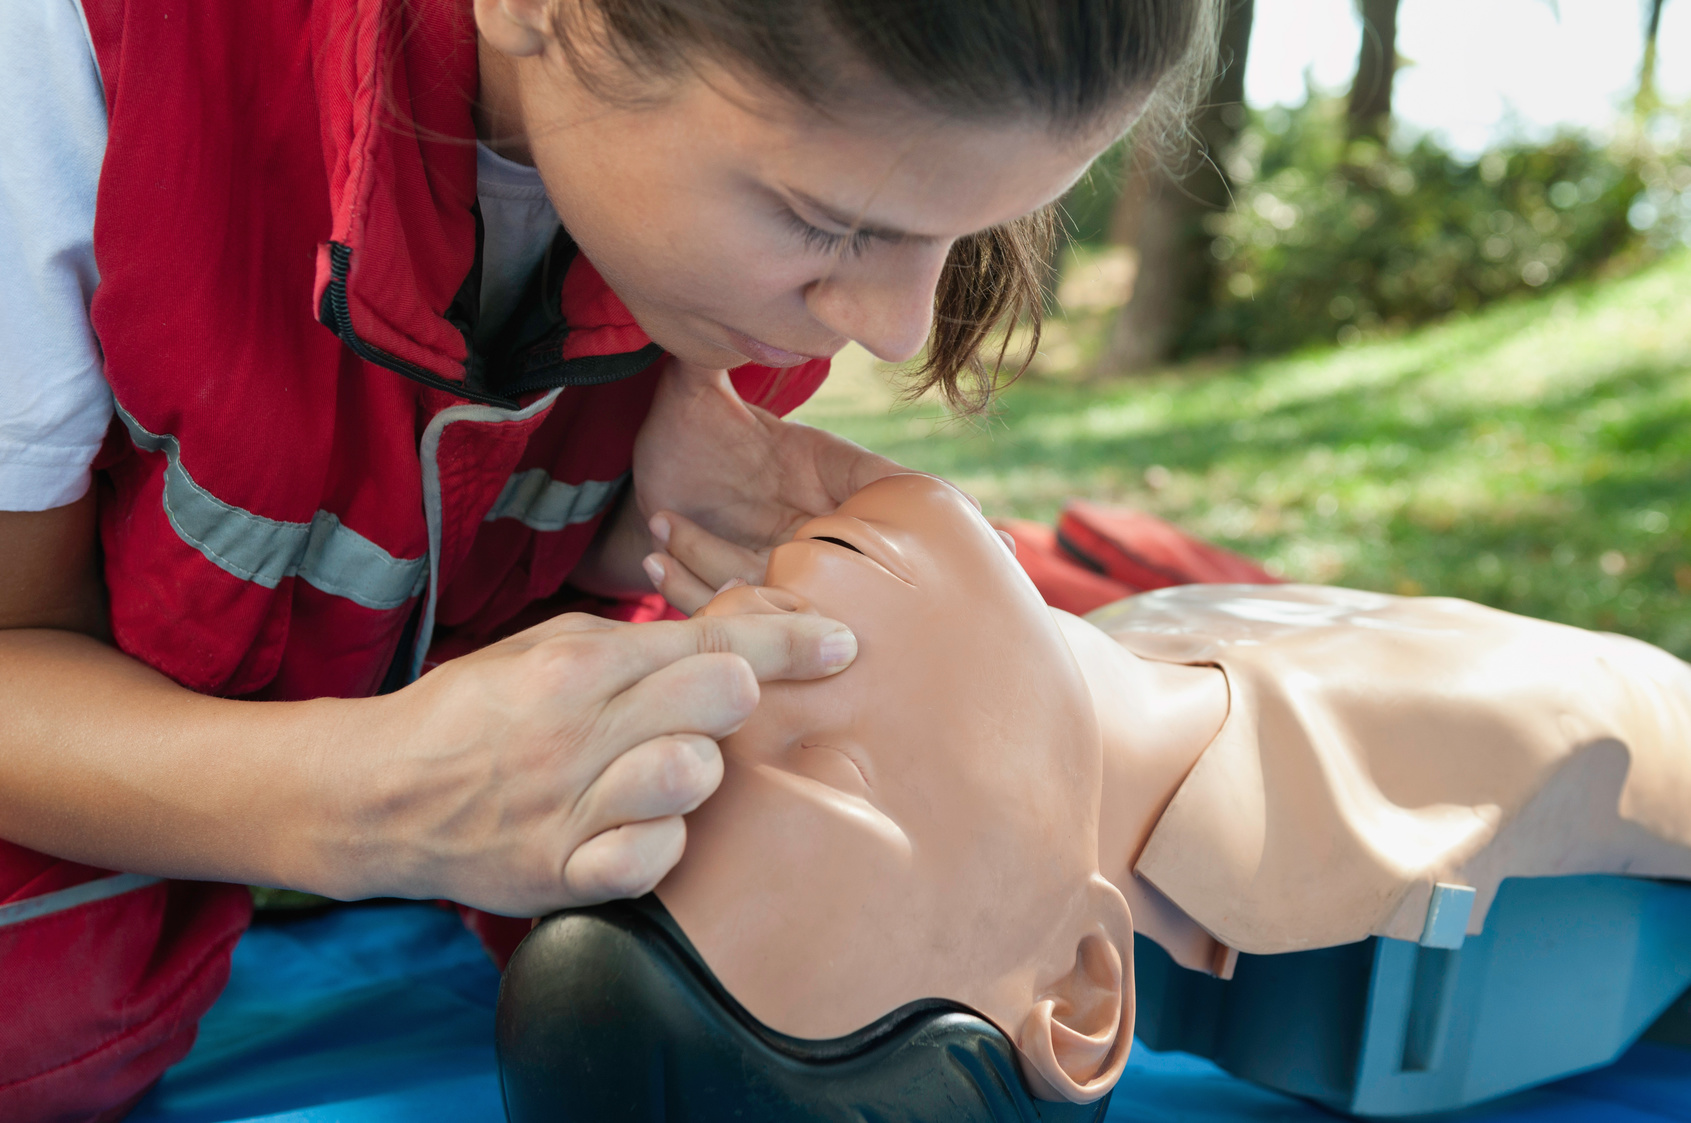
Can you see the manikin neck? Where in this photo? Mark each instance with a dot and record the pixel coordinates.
(1156, 719)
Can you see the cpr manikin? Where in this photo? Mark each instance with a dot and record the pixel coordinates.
(985, 805)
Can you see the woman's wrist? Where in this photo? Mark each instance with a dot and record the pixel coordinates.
(611, 565)
(107, 762)
(342, 764)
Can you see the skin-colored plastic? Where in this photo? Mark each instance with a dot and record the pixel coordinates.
(973, 808)
(1377, 746)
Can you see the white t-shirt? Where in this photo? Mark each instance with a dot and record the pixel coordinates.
(55, 405)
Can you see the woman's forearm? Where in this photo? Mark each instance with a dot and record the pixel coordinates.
(549, 770)
(105, 761)
(610, 567)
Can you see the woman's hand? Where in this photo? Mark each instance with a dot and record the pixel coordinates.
(742, 480)
(552, 769)
(545, 771)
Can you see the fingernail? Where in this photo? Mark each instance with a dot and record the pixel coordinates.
(1008, 541)
(659, 527)
(731, 583)
(838, 649)
(653, 568)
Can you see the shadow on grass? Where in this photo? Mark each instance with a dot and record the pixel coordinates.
(1382, 470)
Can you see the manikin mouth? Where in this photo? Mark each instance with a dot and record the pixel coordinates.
(837, 542)
(874, 545)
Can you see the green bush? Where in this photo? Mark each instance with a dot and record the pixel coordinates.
(1331, 241)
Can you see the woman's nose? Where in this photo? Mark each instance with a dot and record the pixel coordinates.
(885, 301)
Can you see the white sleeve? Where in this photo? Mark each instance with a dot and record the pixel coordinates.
(54, 401)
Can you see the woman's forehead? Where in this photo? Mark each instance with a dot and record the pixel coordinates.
(890, 165)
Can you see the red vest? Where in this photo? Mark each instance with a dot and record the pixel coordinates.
(287, 241)
(309, 451)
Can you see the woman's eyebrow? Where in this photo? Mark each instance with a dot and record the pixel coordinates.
(847, 221)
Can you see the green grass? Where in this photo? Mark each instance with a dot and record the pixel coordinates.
(1536, 456)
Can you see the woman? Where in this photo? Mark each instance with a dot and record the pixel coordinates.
(200, 598)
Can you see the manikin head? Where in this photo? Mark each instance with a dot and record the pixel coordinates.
(924, 824)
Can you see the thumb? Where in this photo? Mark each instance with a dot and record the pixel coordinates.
(777, 632)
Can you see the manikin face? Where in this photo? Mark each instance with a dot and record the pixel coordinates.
(924, 824)
(738, 226)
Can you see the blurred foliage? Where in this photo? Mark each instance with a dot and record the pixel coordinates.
(1535, 456)
(1086, 209)
(265, 899)
(1333, 241)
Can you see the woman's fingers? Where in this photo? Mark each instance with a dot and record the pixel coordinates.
(713, 693)
(668, 775)
(713, 560)
(631, 816)
(788, 645)
(625, 861)
(704, 695)
(679, 585)
(551, 769)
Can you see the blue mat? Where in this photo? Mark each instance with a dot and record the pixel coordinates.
(384, 1014)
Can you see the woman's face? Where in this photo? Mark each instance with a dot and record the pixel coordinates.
(737, 226)
(922, 824)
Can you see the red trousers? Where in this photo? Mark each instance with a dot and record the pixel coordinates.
(103, 979)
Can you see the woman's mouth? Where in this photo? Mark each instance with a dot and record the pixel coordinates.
(764, 354)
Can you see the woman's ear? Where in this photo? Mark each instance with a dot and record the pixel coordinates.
(518, 28)
(1073, 1044)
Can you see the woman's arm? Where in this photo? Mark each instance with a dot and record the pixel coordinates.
(548, 770)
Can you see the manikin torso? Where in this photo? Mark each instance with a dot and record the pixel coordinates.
(990, 800)
(1376, 745)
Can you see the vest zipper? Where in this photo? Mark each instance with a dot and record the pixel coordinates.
(590, 370)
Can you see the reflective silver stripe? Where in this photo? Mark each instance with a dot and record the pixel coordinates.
(540, 502)
(428, 453)
(88, 892)
(322, 552)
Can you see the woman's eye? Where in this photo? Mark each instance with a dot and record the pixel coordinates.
(838, 542)
(827, 242)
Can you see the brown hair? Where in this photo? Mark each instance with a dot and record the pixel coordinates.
(1072, 64)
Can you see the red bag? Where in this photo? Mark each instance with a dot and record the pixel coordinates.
(1101, 554)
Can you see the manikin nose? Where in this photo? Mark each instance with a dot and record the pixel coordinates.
(751, 600)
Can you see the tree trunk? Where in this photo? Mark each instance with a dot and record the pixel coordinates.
(1646, 102)
(1369, 114)
(1162, 210)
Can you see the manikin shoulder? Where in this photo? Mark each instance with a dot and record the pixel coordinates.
(1376, 745)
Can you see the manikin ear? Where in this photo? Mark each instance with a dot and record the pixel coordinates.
(519, 28)
(1073, 1044)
